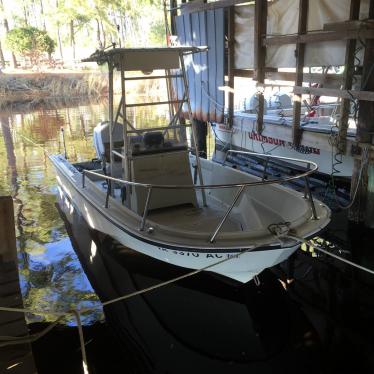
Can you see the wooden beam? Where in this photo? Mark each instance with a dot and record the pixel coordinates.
(329, 79)
(319, 36)
(260, 56)
(193, 7)
(231, 63)
(333, 92)
(348, 79)
(300, 54)
(352, 24)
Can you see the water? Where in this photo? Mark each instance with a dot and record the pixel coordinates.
(50, 273)
(203, 323)
(320, 323)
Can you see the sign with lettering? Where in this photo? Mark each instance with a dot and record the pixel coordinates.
(279, 142)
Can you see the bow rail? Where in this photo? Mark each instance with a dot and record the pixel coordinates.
(310, 165)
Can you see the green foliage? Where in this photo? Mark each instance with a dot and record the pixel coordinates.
(30, 42)
(80, 26)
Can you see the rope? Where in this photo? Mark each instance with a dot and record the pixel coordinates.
(281, 231)
(76, 313)
(364, 162)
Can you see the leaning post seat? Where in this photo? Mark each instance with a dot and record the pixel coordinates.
(157, 161)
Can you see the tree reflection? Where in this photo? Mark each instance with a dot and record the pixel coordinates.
(50, 273)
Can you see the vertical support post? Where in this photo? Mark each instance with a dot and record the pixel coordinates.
(146, 208)
(354, 14)
(8, 248)
(300, 54)
(231, 64)
(109, 189)
(261, 7)
(361, 210)
(265, 169)
(309, 193)
(64, 143)
(223, 220)
(306, 187)
(193, 124)
(125, 160)
(169, 86)
(111, 122)
(173, 14)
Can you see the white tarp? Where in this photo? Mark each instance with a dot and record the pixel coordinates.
(283, 18)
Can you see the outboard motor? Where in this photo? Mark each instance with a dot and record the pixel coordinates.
(251, 105)
(101, 139)
(280, 100)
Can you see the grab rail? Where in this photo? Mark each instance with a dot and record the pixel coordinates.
(311, 168)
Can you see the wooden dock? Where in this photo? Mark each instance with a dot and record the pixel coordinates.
(14, 359)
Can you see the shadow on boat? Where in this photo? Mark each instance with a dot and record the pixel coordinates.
(203, 322)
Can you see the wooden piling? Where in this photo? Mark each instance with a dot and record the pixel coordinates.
(261, 8)
(349, 65)
(300, 54)
(14, 359)
(363, 208)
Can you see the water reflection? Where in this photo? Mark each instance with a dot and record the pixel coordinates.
(51, 276)
(50, 271)
(203, 322)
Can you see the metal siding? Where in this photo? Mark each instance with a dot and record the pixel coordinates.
(220, 56)
(189, 62)
(205, 71)
(195, 22)
(212, 66)
(204, 64)
(178, 81)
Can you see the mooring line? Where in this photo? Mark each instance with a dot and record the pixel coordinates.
(77, 312)
(279, 234)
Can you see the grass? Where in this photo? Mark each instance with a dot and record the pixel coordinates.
(33, 86)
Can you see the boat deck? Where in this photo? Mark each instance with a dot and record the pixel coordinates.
(190, 218)
(187, 217)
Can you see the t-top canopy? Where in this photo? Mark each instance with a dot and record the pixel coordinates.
(144, 59)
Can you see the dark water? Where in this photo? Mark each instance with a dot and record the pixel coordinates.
(319, 319)
(201, 324)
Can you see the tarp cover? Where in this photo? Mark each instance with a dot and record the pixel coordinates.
(282, 19)
(205, 71)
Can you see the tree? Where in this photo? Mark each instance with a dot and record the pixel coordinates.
(31, 43)
(3, 13)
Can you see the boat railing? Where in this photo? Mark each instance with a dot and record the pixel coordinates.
(311, 167)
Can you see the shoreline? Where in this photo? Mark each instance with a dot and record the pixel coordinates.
(27, 86)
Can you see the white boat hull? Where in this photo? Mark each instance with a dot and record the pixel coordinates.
(241, 267)
(275, 140)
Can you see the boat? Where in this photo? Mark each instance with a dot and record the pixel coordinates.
(150, 193)
(317, 144)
